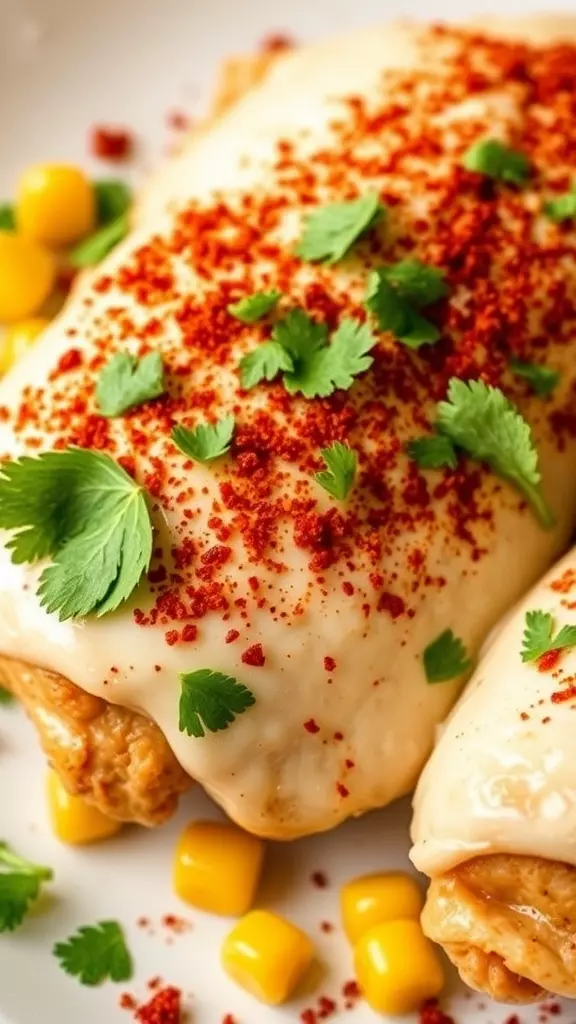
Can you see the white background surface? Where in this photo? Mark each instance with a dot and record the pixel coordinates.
(64, 65)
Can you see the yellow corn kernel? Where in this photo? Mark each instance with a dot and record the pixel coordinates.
(55, 204)
(397, 967)
(27, 276)
(17, 339)
(267, 956)
(217, 867)
(73, 820)
(373, 899)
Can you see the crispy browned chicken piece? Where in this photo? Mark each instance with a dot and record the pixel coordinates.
(114, 757)
(493, 914)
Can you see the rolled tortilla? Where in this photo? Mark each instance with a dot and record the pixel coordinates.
(495, 812)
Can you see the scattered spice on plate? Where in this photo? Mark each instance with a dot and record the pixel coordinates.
(115, 144)
(165, 1007)
(319, 879)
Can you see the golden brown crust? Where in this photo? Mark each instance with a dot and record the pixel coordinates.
(115, 758)
(508, 923)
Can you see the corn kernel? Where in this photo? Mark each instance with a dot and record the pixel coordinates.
(73, 820)
(27, 276)
(397, 967)
(55, 204)
(267, 955)
(373, 899)
(17, 339)
(217, 867)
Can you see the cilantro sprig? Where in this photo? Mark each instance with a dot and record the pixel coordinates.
(396, 294)
(434, 452)
(562, 207)
(254, 307)
(96, 953)
(496, 160)
(82, 510)
(264, 363)
(341, 465)
(331, 230)
(539, 637)
(126, 382)
(445, 658)
(207, 441)
(20, 884)
(5, 696)
(481, 420)
(211, 701)
(542, 379)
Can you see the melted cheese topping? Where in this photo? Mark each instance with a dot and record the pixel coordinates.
(338, 602)
(502, 778)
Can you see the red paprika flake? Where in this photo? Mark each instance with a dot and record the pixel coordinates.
(343, 791)
(311, 726)
(329, 664)
(115, 144)
(164, 1008)
(432, 1013)
(546, 662)
(254, 656)
(319, 879)
(231, 636)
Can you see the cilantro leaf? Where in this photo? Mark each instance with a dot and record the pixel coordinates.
(94, 248)
(563, 207)
(445, 658)
(321, 368)
(433, 452)
(264, 363)
(340, 473)
(539, 636)
(95, 954)
(126, 382)
(20, 884)
(113, 199)
(7, 218)
(254, 307)
(480, 419)
(84, 511)
(417, 282)
(395, 313)
(211, 701)
(541, 379)
(206, 441)
(5, 696)
(331, 230)
(497, 160)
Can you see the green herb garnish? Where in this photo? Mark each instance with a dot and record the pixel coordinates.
(211, 701)
(562, 207)
(20, 884)
(539, 636)
(207, 441)
(126, 382)
(93, 249)
(254, 307)
(331, 230)
(96, 953)
(397, 313)
(264, 363)
(7, 217)
(113, 199)
(445, 658)
(480, 419)
(496, 160)
(83, 510)
(340, 473)
(541, 379)
(5, 696)
(433, 452)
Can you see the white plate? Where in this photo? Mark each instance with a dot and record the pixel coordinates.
(64, 65)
